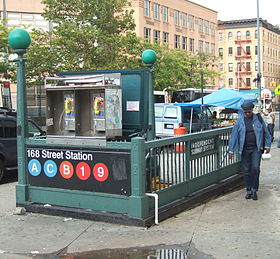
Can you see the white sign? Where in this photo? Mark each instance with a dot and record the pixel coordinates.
(266, 93)
(132, 106)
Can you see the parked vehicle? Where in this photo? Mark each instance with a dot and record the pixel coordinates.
(168, 117)
(8, 139)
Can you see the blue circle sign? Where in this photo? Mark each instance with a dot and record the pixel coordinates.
(50, 168)
(34, 167)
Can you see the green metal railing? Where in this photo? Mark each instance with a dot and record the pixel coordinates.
(182, 165)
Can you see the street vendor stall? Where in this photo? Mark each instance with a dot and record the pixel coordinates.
(225, 98)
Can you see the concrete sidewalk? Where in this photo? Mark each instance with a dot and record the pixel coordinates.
(226, 227)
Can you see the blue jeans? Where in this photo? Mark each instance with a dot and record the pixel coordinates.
(251, 159)
(271, 130)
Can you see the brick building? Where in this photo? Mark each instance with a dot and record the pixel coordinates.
(180, 23)
(238, 50)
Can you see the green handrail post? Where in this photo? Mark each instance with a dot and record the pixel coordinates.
(149, 58)
(19, 40)
(138, 206)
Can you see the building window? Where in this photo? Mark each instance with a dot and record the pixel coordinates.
(256, 66)
(184, 19)
(230, 67)
(156, 36)
(230, 51)
(176, 17)
(176, 41)
(156, 11)
(230, 82)
(184, 42)
(230, 36)
(213, 49)
(220, 36)
(238, 51)
(248, 36)
(239, 66)
(191, 20)
(191, 48)
(165, 37)
(248, 82)
(200, 46)
(238, 35)
(221, 54)
(147, 8)
(248, 66)
(206, 27)
(212, 28)
(147, 34)
(256, 50)
(207, 47)
(165, 13)
(200, 25)
(248, 50)
(221, 67)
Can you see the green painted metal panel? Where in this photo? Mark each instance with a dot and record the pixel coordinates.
(79, 199)
(109, 145)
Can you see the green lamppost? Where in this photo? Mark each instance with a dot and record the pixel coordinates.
(149, 57)
(20, 40)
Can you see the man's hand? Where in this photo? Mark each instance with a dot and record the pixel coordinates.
(267, 150)
(231, 155)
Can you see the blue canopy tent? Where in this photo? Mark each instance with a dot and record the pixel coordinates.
(222, 98)
(226, 98)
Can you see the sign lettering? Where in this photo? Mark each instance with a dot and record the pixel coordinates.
(201, 146)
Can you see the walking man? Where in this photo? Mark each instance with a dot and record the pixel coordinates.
(250, 136)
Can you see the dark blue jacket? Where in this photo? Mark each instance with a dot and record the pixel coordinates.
(237, 139)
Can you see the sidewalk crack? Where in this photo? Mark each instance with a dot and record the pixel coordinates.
(194, 230)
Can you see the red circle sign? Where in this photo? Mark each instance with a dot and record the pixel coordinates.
(83, 170)
(66, 169)
(100, 172)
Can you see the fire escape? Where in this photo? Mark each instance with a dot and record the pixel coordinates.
(243, 58)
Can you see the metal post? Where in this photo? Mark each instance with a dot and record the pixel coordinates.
(259, 75)
(151, 122)
(202, 101)
(4, 13)
(149, 58)
(201, 84)
(22, 129)
(20, 40)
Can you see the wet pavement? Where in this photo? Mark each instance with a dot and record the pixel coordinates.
(226, 227)
(160, 252)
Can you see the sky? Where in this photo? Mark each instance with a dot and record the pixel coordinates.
(244, 9)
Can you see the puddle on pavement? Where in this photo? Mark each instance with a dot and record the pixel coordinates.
(158, 252)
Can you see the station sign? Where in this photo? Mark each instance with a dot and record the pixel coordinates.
(201, 146)
(80, 169)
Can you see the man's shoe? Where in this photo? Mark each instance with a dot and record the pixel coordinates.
(254, 196)
(248, 196)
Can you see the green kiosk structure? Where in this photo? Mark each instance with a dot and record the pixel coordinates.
(100, 159)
